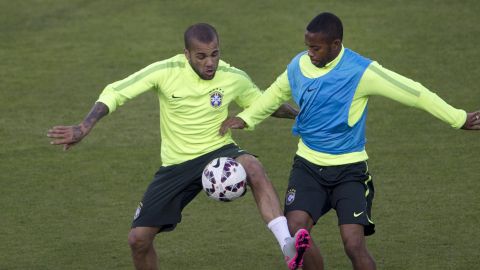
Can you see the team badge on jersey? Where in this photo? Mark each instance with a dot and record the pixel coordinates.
(216, 97)
(290, 196)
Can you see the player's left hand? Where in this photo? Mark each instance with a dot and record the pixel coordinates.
(473, 121)
(232, 122)
(67, 136)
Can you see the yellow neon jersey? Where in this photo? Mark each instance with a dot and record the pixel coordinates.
(376, 80)
(191, 109)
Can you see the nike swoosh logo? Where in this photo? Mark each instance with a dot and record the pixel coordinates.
(357, 215)
(173, 96)
(218, 163)
(311, 89)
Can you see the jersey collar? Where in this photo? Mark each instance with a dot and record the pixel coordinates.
(309, 70)
(335, 61)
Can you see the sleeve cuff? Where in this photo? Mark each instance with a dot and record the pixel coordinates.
(108, 102)
(460, 123)
(250, 124)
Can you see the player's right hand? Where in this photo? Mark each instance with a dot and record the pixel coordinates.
(232, 122)
(66, 135)
(473, 121)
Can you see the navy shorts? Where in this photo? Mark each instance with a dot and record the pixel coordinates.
(346, 188)
(173, 187)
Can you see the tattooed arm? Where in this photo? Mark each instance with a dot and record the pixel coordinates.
(71, 135)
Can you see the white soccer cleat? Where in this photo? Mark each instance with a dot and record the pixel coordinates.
(295, 247)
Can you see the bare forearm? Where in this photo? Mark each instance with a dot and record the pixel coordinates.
(98, 111)
(71, 135)
(285, 111)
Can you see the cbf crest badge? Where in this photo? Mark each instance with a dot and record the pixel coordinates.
(290, 196)
(216, 97)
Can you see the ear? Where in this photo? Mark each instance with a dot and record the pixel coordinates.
(337, 44)
(187, 54)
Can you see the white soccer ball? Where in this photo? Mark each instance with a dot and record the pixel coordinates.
(224, 179)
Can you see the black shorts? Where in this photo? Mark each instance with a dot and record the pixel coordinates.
(173, 187)
(346, 188)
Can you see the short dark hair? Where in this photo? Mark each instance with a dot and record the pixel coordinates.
(202, 32)
(327, 23)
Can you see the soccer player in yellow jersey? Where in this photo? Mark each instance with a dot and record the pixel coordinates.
(331, 85)
(194, 91)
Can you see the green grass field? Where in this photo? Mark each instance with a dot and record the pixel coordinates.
(72, 210)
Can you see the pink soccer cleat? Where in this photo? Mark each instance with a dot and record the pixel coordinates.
(295, 248)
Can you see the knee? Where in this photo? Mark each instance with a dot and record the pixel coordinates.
(354, 247)
(255, 172)
(297, 221)
(138, 242)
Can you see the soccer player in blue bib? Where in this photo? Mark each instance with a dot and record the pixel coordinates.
(194, 91)
(331, 86)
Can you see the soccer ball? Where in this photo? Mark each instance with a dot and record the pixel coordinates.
(224, 179)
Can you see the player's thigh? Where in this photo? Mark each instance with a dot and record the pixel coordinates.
(252, 166)
(352, 204)
(305, 193)
(172, 188)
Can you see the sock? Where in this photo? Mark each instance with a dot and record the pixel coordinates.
(279, 228)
